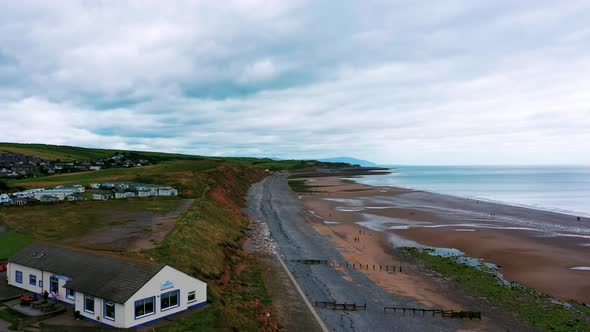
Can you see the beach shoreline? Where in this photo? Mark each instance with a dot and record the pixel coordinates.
(540, 249)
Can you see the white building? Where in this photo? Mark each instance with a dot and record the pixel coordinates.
(29, 193)
(112, 290)
(79, 188)
(4, 198)
(61, 194)
(127, 194)
(146, 193)
(167, 191)
(101, 195)
(94, 186)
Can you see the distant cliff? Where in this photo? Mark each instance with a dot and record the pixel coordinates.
(349, 160)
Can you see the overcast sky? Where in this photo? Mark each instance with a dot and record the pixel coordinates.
(403, 82)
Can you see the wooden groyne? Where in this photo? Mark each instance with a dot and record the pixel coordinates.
(434, 312)
(340, 306)
(354, 266)
(311, 261)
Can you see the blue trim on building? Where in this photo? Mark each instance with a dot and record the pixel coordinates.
(201, 304)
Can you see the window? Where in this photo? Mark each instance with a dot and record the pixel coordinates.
(109, 310)
(19, 277)
(192, 297)
(169, 300)
(144, 307)
(53, 284)
(32, 279)
(89, 303)
(70, 294)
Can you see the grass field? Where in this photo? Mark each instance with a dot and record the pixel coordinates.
(70, 219)
(535, 308)
(12, 242)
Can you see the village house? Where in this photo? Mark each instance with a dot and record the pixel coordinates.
(94, 186)
(147, 193)
(77, 197)
(111, 290)
(167, 191)
(48, 198)
(61, 193)
(4, 198)
(102, 195)
(29, 193)
(19, 201)
(124, 194)
(79, 188)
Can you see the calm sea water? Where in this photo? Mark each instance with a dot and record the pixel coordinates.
(556, 188)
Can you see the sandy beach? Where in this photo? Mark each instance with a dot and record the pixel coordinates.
(544, 250)
(298, 235)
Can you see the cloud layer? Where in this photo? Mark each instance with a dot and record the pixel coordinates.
(452, 82)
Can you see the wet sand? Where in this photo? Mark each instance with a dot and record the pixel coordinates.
(535, 248)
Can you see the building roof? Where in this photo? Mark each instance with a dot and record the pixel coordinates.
(108, 277)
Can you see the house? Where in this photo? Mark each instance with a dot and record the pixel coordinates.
(77, 197)
(124, 194)
(108, 185)
(95, 168)
(112, 290)
(49, 198)
(4, 198)
(147, 193)
(29, 193)
(94, 186)
(102, 195)
(19, 201)
(167, 191)
(59, 193)
(78, 188)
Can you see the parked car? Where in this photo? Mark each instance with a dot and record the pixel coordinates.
(3, 267)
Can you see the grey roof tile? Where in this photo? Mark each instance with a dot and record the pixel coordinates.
(108, 277)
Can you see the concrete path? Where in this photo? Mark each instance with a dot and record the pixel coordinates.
(272, 201)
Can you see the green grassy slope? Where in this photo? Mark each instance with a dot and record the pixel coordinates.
(63, 152)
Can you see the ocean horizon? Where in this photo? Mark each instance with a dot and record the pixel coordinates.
(564, 189)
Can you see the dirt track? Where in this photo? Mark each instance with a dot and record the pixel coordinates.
(144, 232)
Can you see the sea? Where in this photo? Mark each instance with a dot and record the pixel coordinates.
(564, 189)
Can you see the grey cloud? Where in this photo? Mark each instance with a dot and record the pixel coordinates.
(392, 81)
